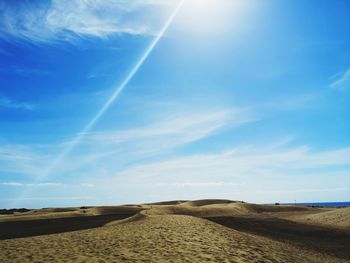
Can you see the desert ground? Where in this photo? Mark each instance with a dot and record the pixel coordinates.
(177, 231)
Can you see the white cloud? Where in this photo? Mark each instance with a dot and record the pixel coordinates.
(142, 158)
(343, 82)
(163, 136)
(66, 20)
(240, 164)
(50, 198)
(23, 159)
(27, 72)
(44, 184)
(87, 185)
(18, 184)
(299, 191)
(256, 174)
(6, 102)
(97, 75)
(175, 130)
(198, 184)
(11, 184)
(272, 172)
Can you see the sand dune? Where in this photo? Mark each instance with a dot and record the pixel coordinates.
(205, 202)
(339, 218)
(174, 202)
(166, 238)
(277, 208)
(112, 210)
(176, 231)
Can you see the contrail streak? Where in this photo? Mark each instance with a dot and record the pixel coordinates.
(108, 103)
(114, 96)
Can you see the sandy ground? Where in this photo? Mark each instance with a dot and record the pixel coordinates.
(178, 233)
(339, 218)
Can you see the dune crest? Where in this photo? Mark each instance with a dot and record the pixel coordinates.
(211, 230)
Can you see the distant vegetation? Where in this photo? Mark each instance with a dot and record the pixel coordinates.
(12, 211)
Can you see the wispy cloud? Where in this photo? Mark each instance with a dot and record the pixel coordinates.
(307, 190)
(342, 82)
(28, 72)
(198, 184)
(97, 75)
(6, 102)
(23, 159)
(25, 71)
(18, 184)
(50, 198)
(161, 137)
(87, 185)
(44, 184)
(58, 20)
(176, 130)
(256, 174)
(241, 164)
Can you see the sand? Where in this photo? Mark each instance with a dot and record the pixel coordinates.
(339, 218)
(180, 232)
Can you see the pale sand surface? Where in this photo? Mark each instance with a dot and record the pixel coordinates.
(339, 218)
(175, 232)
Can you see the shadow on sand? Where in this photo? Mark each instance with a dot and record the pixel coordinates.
(318, 238)
(27, 228)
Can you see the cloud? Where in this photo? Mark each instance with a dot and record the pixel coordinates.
(24, 159)
(18, 184)
(156, 139)
(87, 185)
(241, 164)
(255, 174)
(343, 82)
(27, 72)
(57, 20)
(162, 137)
(274, 171)
(11, 184)
(198, 184)
(44, 184)
(6, 102)
(50, 198)
(154, 158)
(175, 130)
(98, 75)
(293, 191)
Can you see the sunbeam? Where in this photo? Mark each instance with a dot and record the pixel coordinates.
(46, 173)
(114, 96)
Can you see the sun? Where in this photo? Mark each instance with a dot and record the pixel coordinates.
(210, 16)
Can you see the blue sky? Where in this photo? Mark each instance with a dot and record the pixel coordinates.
(112, 102)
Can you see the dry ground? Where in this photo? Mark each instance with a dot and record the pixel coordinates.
(179, 231)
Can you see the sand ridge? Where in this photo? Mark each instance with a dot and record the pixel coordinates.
(339, 218)
(174, 231)
(156, 238)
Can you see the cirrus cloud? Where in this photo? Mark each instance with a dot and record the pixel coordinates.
(57, 20)
(342, 82)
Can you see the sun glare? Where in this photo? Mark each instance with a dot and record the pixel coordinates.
(210, 16)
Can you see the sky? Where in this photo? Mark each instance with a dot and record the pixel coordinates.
(112, 102)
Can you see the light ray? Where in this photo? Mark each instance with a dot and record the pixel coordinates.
(108, 103)
(114, 96)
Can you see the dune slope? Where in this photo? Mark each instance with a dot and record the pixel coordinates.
(161, 238)
(176, 231)
(339, 218)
